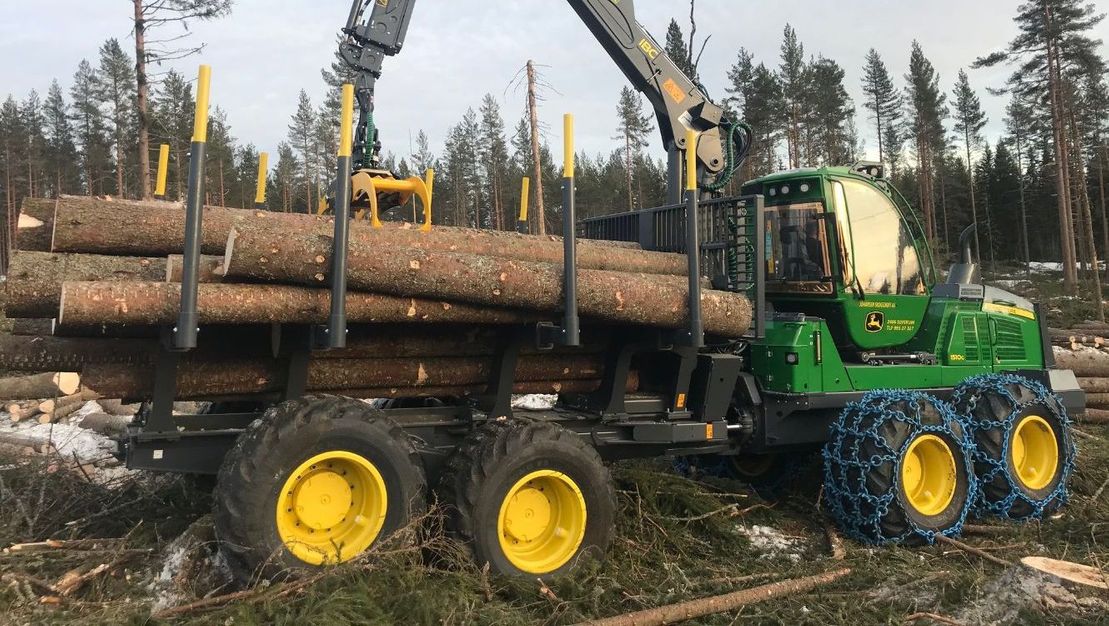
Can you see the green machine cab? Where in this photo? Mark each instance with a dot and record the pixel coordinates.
(856, 305)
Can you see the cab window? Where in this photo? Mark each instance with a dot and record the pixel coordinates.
(879, 253)
(797, 249)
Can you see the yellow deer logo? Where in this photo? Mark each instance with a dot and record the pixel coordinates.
(875, 322)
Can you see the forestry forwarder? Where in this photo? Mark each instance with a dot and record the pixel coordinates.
(928, 398)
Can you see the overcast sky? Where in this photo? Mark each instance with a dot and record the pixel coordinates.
(457, 51)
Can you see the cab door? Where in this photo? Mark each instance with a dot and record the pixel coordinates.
(886, 293)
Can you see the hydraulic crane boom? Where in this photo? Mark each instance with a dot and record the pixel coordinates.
(679, 103)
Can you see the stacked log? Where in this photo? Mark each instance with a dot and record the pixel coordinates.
(428, 311)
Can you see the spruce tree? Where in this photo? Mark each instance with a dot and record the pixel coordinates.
(172, 124)
(883, 99)
(13, 138)
(793, 76)
(61, 150)
(828, 115)
(303, 138)
(493, 152)
(678, 51)
(634, 128)
(31, 113)
(116, 93)
(90, 128)
(284, 179)
(764, 112)
(969, 122)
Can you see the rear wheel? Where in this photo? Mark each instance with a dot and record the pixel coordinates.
(898, 469)
(315, 482)
(1025, 453)
(530, 498)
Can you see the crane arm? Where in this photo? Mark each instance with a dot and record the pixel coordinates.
(679, 103)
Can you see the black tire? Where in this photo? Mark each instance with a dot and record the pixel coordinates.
(257, 468)
(865, 460)
(770, 475)
(494, 459)
(995, 407)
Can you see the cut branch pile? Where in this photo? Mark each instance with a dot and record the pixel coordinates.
(97, 279)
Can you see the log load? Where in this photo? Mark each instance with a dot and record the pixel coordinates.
(34, 285)
(35, 226)
(1085, 361)
(643, 299)
(92, 226)
(1097, 400)
(32, 327)
(1094, 385)
(69, 354)
(151, 304)
(45, 385)
(215, 378)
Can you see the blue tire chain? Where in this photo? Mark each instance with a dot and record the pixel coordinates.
(1016, 393)
(859, 504)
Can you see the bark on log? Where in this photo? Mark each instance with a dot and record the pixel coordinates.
(1097, 400)
(1094, 385)
(34, 285)
(32, 327)
(1084, 362)
(59, 354)
(35, 225)
(39, 386)
(146, 304)
(92, 226)
(1094, 416)
(211, 269)
(229, 378)
(643, 299)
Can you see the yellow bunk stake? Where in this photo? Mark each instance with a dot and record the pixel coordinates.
(163, 172)
(522, 222)
(568, 145)
(263, 173)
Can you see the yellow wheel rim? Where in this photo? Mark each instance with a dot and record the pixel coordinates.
(542, 522)
(331, 508)
(1035, 452)
(929, 475)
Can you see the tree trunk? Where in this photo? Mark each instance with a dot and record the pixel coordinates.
(141, 107)
(39, 386)
(545, 387)
(34, 285)
(1087, 217)
(152, 304)
(35, 225)
(536, 152)
(1097, 400)
(236, 377)
(973, 195)
(1066, 229)
(35, 327)
(1094, 385)
(157, 229)
(641, 299)
(1101, 196)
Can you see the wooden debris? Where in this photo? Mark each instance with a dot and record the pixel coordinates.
(1070, 572)
(972, 550)
(693, 609)
(46, 385)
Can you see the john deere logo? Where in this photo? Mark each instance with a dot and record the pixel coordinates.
(875, 322)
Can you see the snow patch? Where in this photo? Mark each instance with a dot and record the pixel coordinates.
(69, 441)
(535, 402)
(772, 543)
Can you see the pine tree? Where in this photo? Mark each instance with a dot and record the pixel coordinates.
(303, 139)
(172, 124)
(220, 159)
(423, 159)
(1018, 123)
(969, 122)
(61, 150)
(634, 128)
(883, 99)
(764, 112)
(793, 77)
(927, 110)
(149, 16)
(115, 92)
(90, 128)
(14, 143)
(1053, 48)
(493, 152)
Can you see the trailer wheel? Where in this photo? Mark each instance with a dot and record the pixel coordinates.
(529, 498)
(770, 474)
(315, 482)
(1024, 450)
(898, 469)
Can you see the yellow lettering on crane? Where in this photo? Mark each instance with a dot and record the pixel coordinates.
(649, 48)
